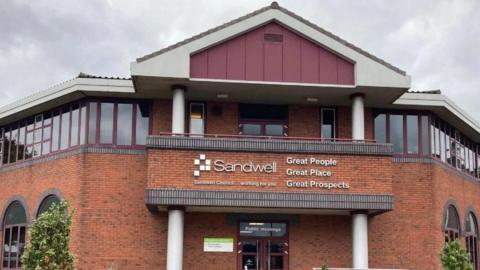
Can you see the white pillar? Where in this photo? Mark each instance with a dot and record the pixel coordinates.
(360, 240)
(178, 109)
(358, 117)
(175, 239)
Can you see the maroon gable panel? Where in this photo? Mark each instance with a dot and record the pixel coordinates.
(272, 53)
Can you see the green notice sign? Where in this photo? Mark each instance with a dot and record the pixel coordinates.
(214, 244)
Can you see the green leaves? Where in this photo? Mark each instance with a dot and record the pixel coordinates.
(49, 237)
(455, 257)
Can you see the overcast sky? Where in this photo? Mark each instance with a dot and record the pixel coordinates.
(45, 42)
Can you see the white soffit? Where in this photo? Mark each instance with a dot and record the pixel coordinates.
(429, 101)
(175, 63)
(69, 87)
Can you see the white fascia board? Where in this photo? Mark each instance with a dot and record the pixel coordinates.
(438, 100)
(176, 62)
(74, 85)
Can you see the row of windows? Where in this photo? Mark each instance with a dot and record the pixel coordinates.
(14, 231)
(452, 232)
(261, 120)
(424, 135)
(452, 147)
(123, 124)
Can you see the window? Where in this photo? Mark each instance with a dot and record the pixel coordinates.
(142, 123)
(14, 226)
(380, 124)
(263, 120)
(471, 236)
(451, 224)
(47, 203)
(396, 133)
(197, 118)
(124, 126)
(1, 145)
(75, 124)
(408, 132)
(451, 146)
(106, 123)
(328, 123)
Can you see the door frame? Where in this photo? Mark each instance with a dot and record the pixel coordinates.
(262, 240)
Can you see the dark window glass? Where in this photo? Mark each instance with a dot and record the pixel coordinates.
(1, 145)
(92, 123)
(65, 130)
(451, 224)
(328, 123)
(75, 126)
(6, 147)
(83, 124)
(257, 111)
(13, 144)
(396, 132)
(106, 123)
(56, 132)
(15, 214)
(142, 123)
(47, 203)
(21, 143)
(412, 134)
(13, 235)
(263, 120)
(381, 128)
(124, 126)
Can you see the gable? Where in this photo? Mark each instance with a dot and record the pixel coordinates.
(179, 61)
(272, 53)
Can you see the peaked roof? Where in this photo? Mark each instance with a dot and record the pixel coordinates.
(273, 5)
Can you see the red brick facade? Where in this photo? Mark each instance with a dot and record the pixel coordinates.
(112, 226)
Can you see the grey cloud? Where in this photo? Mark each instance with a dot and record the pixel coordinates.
(45, 42)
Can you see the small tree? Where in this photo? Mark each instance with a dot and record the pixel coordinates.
(455, 257)
(49, 237)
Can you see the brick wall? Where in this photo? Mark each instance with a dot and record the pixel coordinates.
(177, 168)
(111, 225)
(303, 120)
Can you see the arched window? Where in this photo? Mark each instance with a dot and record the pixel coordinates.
(14, 226)
(47, 203)
(471, 233)
(452, 224)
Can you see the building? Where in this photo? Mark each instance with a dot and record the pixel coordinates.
(264, 143)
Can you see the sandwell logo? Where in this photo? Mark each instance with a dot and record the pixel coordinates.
(202, 164)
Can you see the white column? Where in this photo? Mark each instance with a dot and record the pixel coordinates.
(178, 109)
(175, 239)
(360, 240)
(358, 118)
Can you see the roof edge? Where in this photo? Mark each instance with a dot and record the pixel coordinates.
(275, 5)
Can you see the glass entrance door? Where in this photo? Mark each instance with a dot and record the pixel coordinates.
(263, 246)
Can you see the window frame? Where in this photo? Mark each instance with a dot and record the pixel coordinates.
(471, 240)
(334, 130)
(451, 234)
(189, 117)
(263, 122)
(404, 115)
(60, 111)
(11, 227)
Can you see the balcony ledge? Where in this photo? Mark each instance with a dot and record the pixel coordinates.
(268, 145)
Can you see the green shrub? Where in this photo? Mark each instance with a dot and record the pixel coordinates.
(455, 257)
(49, 237)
